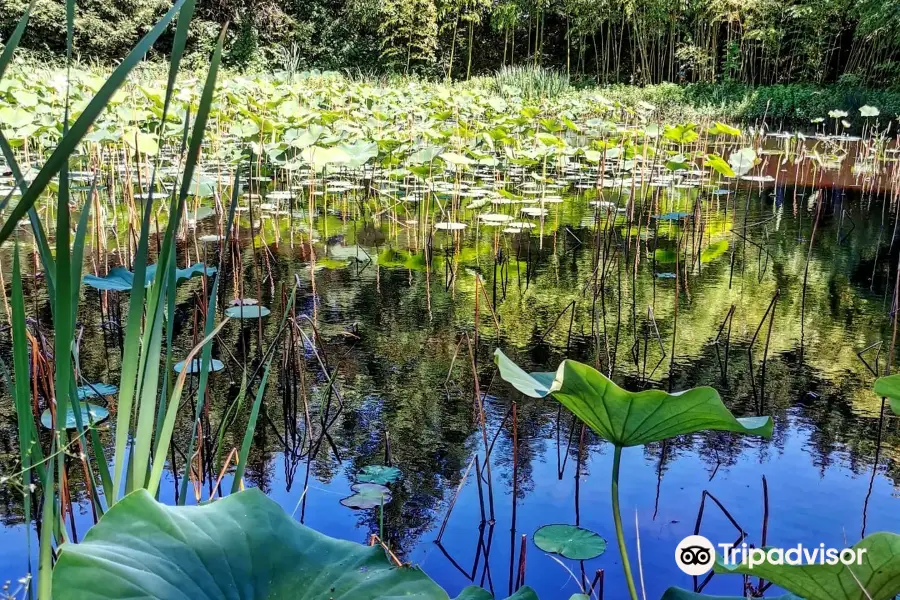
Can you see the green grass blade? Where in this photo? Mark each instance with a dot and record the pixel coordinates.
(21, 390)
(149, 377)
(165, 390)
(131, 359)
(178, 45)
(228, 418)
(77, 261)
(147, 400)
(159, 459)
(63, 322)
(37, 228)
(70, 36)
(251, 428)
(78, 249)
(13, 42)
(79, 129)
(210, 320)
(45, 566)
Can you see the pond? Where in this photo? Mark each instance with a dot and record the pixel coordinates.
(779, 297)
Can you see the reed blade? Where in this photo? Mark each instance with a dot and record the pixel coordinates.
(13, 42)
(149, 378)
(82, 125)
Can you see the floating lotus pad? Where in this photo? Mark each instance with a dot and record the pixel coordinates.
(495, 218)
(379, 474)
(94, 390)
(450, 226)
(244, 302)
(244, 311)
(89, 413)
(532, 211)
(367, 495)
(673, 216)
(195, 366)
(569, 541)
(121, 279)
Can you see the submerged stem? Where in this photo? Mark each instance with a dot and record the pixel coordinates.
(617, 517)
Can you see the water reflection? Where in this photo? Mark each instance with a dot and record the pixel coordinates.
(382, 371)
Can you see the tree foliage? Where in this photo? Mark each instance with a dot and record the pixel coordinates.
(629, 41)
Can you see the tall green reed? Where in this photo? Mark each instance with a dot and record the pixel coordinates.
(148, 399)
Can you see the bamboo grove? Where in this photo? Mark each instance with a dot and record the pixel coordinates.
(611, 41)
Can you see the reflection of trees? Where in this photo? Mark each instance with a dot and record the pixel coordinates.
(390, 340)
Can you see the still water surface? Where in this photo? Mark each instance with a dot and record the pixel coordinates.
(391, 317)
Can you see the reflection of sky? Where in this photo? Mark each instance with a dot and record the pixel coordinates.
(804, 507)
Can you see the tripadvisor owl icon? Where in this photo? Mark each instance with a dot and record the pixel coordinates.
(695, 555)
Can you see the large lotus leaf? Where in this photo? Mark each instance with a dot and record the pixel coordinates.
(876, 578)
(243, 547)
(630, 418)
(569, 541)
(889, 387)
(15, 118)
(121, 279)
(360, 153)
(869, 111)
(720, 128)
(456, 159)
(674, 593)
(118, 279)
(319, 157)
(742, 160)
(203, 186)
(718, 164)
(425, 155)
(89, 413)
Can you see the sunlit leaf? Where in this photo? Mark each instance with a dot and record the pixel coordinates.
(630, 418)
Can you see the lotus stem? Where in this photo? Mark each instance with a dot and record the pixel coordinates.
(617, 517)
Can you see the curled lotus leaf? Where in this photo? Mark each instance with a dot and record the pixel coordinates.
(121, 279)
(629, 418)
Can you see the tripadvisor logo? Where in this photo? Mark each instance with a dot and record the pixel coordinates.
(696, 555)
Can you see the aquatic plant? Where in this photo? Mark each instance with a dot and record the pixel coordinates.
(530, 82)
(628, 418)
(146, 389)
(216, 552)
(875, 577)
(889, 387)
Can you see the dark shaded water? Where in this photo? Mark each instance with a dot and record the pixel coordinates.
(391, 323)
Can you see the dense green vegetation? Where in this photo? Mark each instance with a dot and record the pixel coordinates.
(110, 170)
(625, 41)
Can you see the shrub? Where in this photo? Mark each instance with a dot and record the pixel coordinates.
(530, 82)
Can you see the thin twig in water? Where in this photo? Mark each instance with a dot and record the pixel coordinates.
(637, 533)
